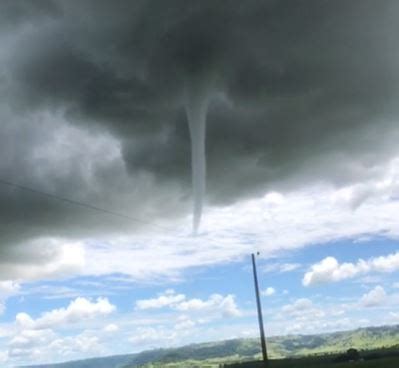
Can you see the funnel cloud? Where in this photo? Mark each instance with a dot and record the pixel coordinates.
(196, 107)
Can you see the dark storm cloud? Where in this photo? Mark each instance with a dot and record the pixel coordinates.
(301, 92)
(14, 13)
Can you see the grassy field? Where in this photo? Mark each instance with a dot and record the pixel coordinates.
(390, 360)
(385, 358)
(299, 363)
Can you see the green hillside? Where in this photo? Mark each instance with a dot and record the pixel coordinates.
(211, 354)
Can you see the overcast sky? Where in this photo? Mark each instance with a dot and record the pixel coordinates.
(301, 152)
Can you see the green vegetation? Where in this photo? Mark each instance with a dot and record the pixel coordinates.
(326, 362)
(298, 351)
(377, 358)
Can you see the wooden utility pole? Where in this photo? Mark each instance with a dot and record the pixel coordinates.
(260, 318)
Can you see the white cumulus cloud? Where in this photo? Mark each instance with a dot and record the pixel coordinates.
(269, 291)
(301, 310)
(78, 310)
(168, 298)
(225, 305)
(7, 289)
(58, 258)
(3, 356)
(111, 328)
(374, 297)
(330, 270)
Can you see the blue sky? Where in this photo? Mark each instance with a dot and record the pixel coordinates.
(117, 313)
(324, 265)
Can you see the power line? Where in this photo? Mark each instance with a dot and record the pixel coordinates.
(81, 204)
(260, 317)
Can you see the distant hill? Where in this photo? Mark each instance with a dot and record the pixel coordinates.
(238, 349)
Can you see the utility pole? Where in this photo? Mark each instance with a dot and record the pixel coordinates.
(260, 318)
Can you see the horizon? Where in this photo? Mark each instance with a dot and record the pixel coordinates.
(213, 342)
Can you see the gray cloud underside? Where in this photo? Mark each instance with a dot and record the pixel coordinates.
(300, 92)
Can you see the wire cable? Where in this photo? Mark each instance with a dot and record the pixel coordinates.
(81, 204)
